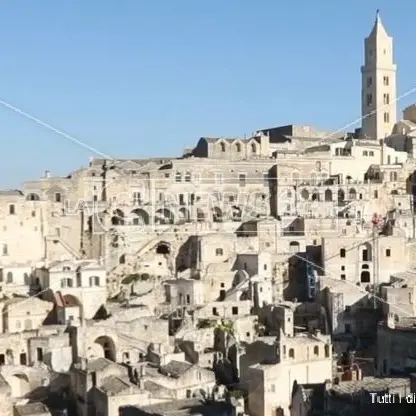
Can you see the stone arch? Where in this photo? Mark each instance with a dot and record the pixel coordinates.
(118, 217)
(341, 196)
(237, 212)
(200, 215)
(32, 197)
(19, 384)
(305, 194)
(163, 248)
(315, 195)
(184, 214)
(328, 195)
(164, 216)
(217, 215)
(140, 217)
(109, 347)
(352, 193)
(70, 301)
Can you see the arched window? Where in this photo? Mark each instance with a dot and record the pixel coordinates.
(291, 353)
(222, 145)
(316, 351)
(238, 147)
(253, 148)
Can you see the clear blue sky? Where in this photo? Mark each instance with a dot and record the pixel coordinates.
(138, 78)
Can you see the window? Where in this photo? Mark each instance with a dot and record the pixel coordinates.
(265, 267)
(234, 310)
(316, 351)
(326, 351)
(343, 277)
(188, 177)
(386, 81)
(386, 99)
(58, 197)
(273, 388)
(342, 252)
(376, 194)
(238, 147)
(393, 176)
(9, 277)
(242, 179)
(178, 177)
(33, 213)
(291, 353)
(342, 268)
(12, 209)
(253, 148)
(214, 311)
(348, 328)
(371, 153)
(94, 281)
(369, 82)
(218, 178)
(136, 198)
(369, 100)
(386, 118)
(388, 252)
(222, 145)
(5, 250)
(219, 251)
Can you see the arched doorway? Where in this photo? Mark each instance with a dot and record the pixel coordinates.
(163, 248)
(217, 215)
(140, 217)
(365, 276)
(108, 346)
(328, 195)
(164, 216)
(118, 217)
(184, 214)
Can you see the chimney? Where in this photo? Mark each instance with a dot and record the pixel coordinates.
(47, 173)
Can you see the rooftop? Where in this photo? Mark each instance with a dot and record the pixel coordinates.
(370, 384)
(181, 407)
(32, 409)
(114, 385)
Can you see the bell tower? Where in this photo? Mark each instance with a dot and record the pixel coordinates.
(378, 80)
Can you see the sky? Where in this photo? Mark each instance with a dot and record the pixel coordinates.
(136, 78)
